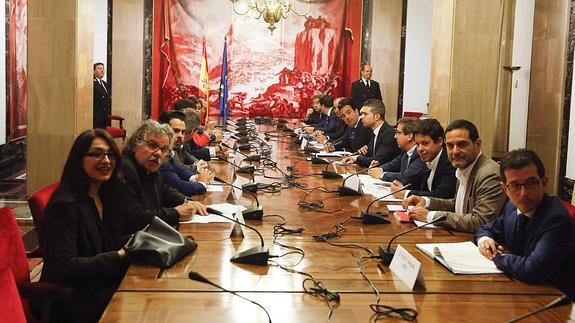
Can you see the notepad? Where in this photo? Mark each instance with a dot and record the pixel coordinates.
(459, 258)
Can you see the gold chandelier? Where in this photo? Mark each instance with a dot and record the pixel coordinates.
(271, 10)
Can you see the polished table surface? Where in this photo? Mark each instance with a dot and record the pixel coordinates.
(151, 294)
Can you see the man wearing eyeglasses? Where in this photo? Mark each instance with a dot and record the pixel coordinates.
(145, 194)
(534, 238)
(478, 199)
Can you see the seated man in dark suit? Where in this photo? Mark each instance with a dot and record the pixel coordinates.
(356, 134)
(406, 167)
(175, 174)
(193, 122)
(382, 147)
(438, 178)
(331, 124)
(314, 115)
(144, 194)
(533, 239)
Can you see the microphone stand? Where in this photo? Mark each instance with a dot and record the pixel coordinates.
(253, 256)
(387, 254)
(255, 157)
(250, 169)
(252, 213)
(346, 191)
(369, 218)
(199, 278)
(563, 300)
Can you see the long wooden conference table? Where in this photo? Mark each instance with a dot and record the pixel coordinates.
(150, 294)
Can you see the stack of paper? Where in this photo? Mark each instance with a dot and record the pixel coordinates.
(459, 257)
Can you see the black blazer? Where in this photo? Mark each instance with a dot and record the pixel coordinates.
(198, 152)
(330, 125)
(354, 138)
(444, 181)
(81, 252)
(411, 175)
(385, 148)
(102, 104)
(361, 93)
(314, 118)
(144, 195)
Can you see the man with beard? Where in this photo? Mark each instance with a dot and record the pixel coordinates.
(144, 193)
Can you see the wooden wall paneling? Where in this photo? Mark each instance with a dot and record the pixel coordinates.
(502, 105)
(128, 62)
(550, 31)
(60, 43)
(441, 56)
(385, 52)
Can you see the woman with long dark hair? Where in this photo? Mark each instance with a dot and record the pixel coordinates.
(83, 230)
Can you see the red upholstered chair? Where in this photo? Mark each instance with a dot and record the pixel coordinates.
(10, 305)
(412, 114)
(37, 203)
(13, 256)
(119, 131)
(570, 208)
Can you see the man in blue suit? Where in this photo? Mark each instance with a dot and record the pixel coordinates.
(407, 166)
(534, 238)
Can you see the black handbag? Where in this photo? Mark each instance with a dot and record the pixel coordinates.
(160, 245)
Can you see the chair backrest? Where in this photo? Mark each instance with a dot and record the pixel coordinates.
(12, 253)
(10, 305)
(570, 208)
(38, 202)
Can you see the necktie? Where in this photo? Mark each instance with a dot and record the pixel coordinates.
(102, 84)
(367, 83)
(520, 235)
(404, 162)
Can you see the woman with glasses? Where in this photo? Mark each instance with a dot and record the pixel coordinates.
(83, 230)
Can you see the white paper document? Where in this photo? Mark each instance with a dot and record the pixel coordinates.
(334, 154)
(459, 257)
(226, 208)
(214, 188)
(421, 223)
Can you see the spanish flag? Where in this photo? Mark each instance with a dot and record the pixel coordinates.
(204, 82)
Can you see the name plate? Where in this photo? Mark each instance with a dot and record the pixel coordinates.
(353, 182)
(238, 158)
(237, 192)
(303, 144)
(407, 268)
(236, 230)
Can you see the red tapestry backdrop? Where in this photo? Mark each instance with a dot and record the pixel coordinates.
(268, 75)
(17, 71)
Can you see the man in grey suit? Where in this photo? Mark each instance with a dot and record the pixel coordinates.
(479, 198)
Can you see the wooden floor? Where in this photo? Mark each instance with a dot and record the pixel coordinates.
(149, 294)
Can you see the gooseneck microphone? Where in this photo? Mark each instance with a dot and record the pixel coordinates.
(252, 213)
(250, 169)
(386, 254)
(253, 256)
(563, 300)
(346, 191)
(254, 157)
(374, 218)
(329, 174)
(199, 278)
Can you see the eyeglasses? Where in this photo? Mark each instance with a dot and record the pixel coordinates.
(99, 155)
(155, 147)
(529, 185)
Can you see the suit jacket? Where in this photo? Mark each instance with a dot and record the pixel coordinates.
(354, 138)
(330, 125)
(81, 252)
(361, 93)
(314, 118)
(548, 255)
(200, 153)
(483, 201)
(444, 181)
(102, 104)
(144, 194)
(392, 169)
(385, 148)
(183, 157)
(178, 177)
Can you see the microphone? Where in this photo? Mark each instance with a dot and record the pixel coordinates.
(252, 213)
(387, 254)
(250, 169)
(199, 278)
(254, 157)
(346, 191)
(563, 300)
(253, 256)
(369, 218)
(329, 174)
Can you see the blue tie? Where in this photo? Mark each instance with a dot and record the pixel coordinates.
(520, 234)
